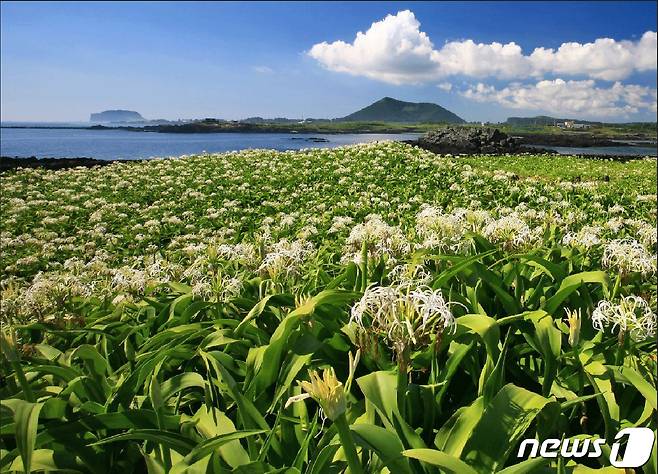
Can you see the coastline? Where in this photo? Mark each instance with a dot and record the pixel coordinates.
(8, 163)
(575, 139)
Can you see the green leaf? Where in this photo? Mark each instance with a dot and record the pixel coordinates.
(571, 284)
(210, 445)
(504, 421)
(167, 439)
(485, 327)
(529, 466)
(180, 382)
(46, 460)
(96, 363)
(455, 433)
(257, 310)
(510, 304)
(547, 340)
(631, 376)
(600, 379)
(26, 420)
(447, 463)
(455, 269)
(450, 368)
(553, 270)
(380, 389)
(319, 464)
(210, 422)
(385, 443)
(268, 362)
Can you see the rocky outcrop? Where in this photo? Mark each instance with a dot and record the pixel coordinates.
(468, 140)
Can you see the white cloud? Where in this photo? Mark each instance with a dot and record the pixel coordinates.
(481, 60)
(445, 86)
(605, 58)
(582, 98)
(393, 50)
(263, 69)
(396, 51)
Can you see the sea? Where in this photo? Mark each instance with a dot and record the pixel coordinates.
(128, 145)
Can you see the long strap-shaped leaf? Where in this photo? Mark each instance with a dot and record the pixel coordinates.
(504, 421)
(447, 463)
(26, 420)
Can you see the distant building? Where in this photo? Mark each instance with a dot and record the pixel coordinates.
(572, 124)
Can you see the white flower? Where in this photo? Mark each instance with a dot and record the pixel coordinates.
(648, 235)
(403, 317)
(511, 232)
(285, 258)
(631, 315)
(380, 239)
(627, 256)
(410, 274)
(585, 238)
(616, 209)
(440, 231)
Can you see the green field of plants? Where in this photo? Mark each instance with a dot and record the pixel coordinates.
(366, 309)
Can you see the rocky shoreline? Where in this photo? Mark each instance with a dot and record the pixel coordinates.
(443, 141)
(488, 141)
(9, 163)
(565, 139)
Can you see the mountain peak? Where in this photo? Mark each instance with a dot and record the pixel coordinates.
(388, 109)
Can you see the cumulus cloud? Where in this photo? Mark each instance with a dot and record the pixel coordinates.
(605, 58)
(393, 50)
(445, 86)
(396, 51)
(582, 98)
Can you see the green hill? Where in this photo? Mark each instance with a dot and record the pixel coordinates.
(392, 110)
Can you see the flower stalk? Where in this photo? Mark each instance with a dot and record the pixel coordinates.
(347, 443)
(8, 346)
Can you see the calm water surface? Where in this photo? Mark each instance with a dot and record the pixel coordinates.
(122, 144)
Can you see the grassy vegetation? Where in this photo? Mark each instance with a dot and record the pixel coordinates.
(306, 127)
(609, 130)
(374, 308)
(625, 177)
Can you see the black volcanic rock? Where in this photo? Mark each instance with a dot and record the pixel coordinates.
(116, 116)
(468, 140)
(10, 163)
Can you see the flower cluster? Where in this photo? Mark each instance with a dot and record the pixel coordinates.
(379, 238)
(628, 256)
(631, 315)
(404, 317)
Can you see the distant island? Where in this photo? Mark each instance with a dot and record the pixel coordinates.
(387, 110)
(113, 116)
(393, 110)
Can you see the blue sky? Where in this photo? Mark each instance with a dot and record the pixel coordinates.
(62, 61)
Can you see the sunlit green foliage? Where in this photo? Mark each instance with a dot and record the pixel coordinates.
(371, 308)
